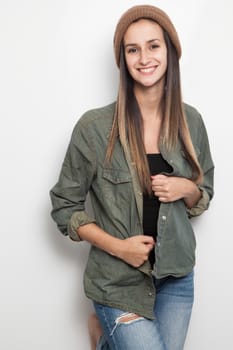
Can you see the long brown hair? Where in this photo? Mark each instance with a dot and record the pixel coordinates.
(128, 122)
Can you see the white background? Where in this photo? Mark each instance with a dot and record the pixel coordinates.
(56, 62)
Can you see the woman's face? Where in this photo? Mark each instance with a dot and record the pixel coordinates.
(146, 53)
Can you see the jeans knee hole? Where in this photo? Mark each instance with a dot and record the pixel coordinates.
(128, 318)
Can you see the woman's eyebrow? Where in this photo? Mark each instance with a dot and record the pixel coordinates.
(150, 41)
(135, 44)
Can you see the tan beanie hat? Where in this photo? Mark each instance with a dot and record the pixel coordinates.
(144, 11)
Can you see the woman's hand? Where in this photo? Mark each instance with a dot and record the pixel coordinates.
(135, 250)
(171, 188)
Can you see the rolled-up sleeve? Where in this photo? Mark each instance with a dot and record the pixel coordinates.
(68, 196)
(78, 219)
(207, 165)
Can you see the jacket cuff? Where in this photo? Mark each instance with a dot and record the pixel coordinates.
(201, 205)
(78, 218)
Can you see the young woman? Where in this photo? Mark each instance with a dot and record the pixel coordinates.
(146, 162)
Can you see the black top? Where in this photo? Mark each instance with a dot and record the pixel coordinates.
(151, 203)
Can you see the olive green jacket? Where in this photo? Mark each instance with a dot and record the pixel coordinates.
(117, 203)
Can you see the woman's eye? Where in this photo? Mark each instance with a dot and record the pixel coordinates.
(153, 47)
(132, 50)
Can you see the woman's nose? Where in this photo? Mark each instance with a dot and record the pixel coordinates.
(144, 57)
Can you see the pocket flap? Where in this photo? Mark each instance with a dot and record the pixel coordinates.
(116, 176)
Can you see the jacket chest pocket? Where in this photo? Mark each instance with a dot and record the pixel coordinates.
(117, 185)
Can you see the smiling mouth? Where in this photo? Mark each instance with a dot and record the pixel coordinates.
(147, 70)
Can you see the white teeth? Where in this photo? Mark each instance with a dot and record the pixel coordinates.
(147, 70)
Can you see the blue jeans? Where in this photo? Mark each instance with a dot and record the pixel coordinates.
(172, 311)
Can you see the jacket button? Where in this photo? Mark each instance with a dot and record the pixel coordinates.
(164, 217)
(150, 294)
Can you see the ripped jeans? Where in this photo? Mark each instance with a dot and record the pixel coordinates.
(172, 310)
